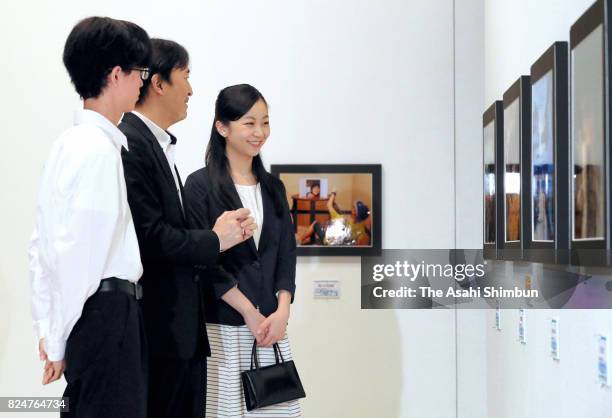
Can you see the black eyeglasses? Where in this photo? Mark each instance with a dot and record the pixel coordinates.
(144, 72)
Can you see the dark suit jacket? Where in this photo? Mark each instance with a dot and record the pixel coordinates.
(260, 273)
(172, 300)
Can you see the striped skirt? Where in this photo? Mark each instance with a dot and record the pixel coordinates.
(231, 354)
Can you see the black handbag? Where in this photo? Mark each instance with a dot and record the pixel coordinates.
(273, 384)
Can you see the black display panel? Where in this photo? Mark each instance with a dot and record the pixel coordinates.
(545, 157)
(517, 128)
(590, 137)
(492, 128)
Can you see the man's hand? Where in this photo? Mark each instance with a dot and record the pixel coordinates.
(234, 227)
(53, 371)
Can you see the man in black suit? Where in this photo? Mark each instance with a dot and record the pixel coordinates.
(172, 308)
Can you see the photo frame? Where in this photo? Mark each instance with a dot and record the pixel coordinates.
(344, 222)
(492, 132)
(589, 143)
(546, 161)
(517, 127)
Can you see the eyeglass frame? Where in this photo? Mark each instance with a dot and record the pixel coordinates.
(145, 72)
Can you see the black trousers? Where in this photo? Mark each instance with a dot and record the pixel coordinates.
(177, 388)
(106, 360)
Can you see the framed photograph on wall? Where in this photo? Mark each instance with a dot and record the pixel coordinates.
(546, 161)
(336, 209)
(590, 136)
(492, 151)
(517, 126)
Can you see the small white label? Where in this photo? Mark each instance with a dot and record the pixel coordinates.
(522, 325)
(602, 360)
(326, 289)
(554, 338)
(498, 317)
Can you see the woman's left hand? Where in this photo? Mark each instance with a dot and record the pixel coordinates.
(276, 326)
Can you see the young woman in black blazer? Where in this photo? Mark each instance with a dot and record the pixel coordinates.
(249, 291)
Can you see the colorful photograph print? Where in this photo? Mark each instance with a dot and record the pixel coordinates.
(333, 207)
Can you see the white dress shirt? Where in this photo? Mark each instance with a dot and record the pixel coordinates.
(84, 229)
(167, 146)
(250, 196)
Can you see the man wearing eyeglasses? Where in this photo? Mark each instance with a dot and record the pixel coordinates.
(84, 256)
(172, 307)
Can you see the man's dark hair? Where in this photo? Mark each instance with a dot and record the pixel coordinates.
(98, 44)
(165, 56)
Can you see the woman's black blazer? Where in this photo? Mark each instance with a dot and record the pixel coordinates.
(259, 273)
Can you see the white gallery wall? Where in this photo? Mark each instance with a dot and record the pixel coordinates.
(522, 380)
(347, 82)
(469, 92)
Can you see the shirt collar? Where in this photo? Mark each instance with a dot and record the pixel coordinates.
(90, 117)
(164, 138)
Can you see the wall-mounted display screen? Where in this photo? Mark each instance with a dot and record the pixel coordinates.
(493, 183)
(512, 172)
(588, 144)
(489, 183)
(546, 160)
(542, 160)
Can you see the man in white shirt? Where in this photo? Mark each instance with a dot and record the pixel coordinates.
(84, 256)
(170, 247)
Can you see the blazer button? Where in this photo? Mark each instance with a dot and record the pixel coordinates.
(256, 264)
(196, 278)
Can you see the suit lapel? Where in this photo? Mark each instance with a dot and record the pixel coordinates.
(235, 202)
(182, 191)
(162, 160)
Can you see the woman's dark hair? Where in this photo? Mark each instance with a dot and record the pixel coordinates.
(165, 56)
(98, 44)
(232, 103)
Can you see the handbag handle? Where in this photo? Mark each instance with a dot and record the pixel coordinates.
(277, 354)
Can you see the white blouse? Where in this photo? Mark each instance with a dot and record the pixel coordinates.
(250, 196)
